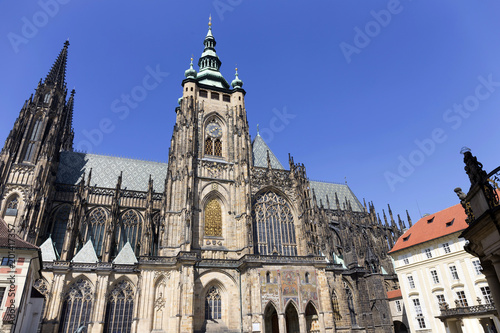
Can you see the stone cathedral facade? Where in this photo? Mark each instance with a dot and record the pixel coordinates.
(222, 238)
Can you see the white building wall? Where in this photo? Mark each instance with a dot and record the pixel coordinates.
(419, 266)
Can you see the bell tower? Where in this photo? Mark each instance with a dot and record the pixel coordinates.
(207, 193)
(30, 156)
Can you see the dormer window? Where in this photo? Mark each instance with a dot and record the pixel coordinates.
(405, 239)
(430, 220)
(449, 224)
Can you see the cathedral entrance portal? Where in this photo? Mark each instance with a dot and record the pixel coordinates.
(312, 324)
(292, 319)
(271, 319)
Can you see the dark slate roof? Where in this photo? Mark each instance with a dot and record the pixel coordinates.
(259, 150)
(14, 241)
(323, 189)
(106, 169)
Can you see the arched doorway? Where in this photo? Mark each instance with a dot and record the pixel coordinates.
(271, 319)
(292, 319)
(312, 323)
(399, 327)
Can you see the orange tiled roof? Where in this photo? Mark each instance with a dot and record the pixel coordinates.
(424, 230)
(391, 294)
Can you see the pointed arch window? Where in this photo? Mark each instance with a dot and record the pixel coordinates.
(213, 139)
(35, 136)
(129, 230)
(46, 98)
(60, 223)
(213, 304)
(213, 218)
(77, 307)
(119, 310)
(275, 230)
(12, 206)
(94, 229)
(350, 303)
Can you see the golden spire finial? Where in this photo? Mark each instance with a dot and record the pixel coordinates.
(210, 20)
(191, 58)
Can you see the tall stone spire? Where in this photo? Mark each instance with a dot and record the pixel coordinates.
(57, 74)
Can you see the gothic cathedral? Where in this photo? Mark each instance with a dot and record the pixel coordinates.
(222, 238)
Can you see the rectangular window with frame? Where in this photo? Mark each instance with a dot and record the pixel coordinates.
(398, 306)
(421, 322)
(454, 273)
(462, 299)
(477, 266)
(486, 294)
(411, 282)
(428, 253)
(406, 260)
(435, 277)
(446, 248)
(6, 261)
(440, 299)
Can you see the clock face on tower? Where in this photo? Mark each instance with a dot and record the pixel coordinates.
(214, 130)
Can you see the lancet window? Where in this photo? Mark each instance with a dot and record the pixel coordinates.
(60, 223)
(35, 136)
(93, 229)
(119, 310)
(275, 230)
(213, 305)
(213, 218)
(77, 307)
(350, 303)
(129, 230)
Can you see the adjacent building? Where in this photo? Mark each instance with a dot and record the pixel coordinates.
(21, 305)
(443, 287)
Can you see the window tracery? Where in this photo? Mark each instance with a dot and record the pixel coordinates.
(35, 136)
(12, 206)
(336, 309)
(213, 304)
(213, 218)
(274, 224)
(77, 306)
(129, 230)
(94, 228)
(119, 311)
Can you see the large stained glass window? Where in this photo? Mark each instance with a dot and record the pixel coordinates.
(275, 230)
(213, 218)
(119, 311)
(77, 307)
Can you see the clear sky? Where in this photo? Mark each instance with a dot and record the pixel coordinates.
(383, 94)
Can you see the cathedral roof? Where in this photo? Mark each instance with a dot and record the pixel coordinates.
(106, 169)
(440, 224)
(324, 189)
(259, 150)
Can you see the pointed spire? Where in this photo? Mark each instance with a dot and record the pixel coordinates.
(409, 219)
(210, 63)
(57, 74)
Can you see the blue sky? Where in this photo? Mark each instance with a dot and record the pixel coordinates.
(383, 94)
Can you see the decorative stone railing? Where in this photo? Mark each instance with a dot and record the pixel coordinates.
(467, 311)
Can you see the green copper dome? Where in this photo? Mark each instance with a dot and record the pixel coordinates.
(237, 83)
(191, 72)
